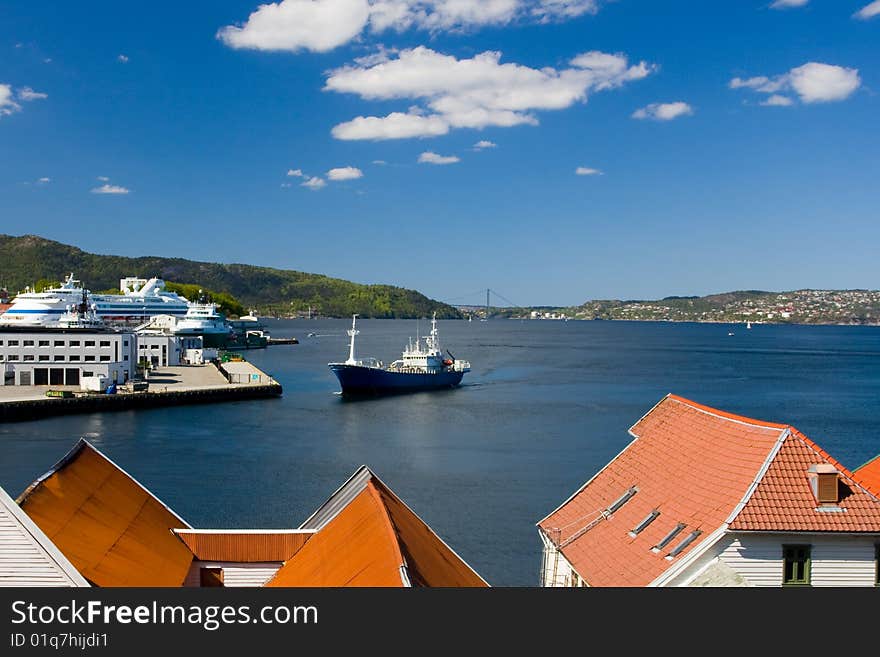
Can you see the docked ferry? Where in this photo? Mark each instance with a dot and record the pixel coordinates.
(138, 303)
(205, 320)
(421, 367)
(31, 308)
(134, 305)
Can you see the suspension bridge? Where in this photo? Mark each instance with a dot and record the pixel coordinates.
(473, 304)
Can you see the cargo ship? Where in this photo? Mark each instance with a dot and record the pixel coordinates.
(422, 366)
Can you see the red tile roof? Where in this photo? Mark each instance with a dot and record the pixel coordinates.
(783, 501)
(703, 468)
(868, 475)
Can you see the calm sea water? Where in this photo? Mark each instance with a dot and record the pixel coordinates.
(546, 405)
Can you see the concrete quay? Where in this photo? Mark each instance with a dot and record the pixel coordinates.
(168, 386)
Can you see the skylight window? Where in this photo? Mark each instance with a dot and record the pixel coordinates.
(623, 499)
(644, 523)
(690, 538)
(668, 538)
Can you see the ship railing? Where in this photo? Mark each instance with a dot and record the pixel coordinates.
(461, 366)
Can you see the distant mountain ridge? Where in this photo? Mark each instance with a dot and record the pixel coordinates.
(26, 259)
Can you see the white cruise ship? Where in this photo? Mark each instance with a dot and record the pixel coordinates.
(43, 308)
(139, 303)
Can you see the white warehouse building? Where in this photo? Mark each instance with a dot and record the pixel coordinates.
(52, 356)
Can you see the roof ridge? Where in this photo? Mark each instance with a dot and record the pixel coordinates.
(724, 414)
(82, 444)
(389, 523)
(759, 477)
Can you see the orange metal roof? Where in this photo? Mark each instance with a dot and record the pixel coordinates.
(242, 546)
(868, 475)
(696, 465)
(110, 527)
(375, 540)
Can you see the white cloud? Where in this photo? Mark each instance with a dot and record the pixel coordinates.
(587, 171)
(7, 104)
(441, 14)
(819, 83)
(44, 181)
(295, 173)
(759, 83)
(471, 93)
(103, 178)
(314, 183)
(868, 11)
(27, 94)
(345, 173)
(285, 185)
(787, 4)
(558, 9)
(663, 111)
(433, 158)
(396, 125)
(317, 25)
(813, 82)
(483, 144)
(122, 58)
(8, 98)
(110, 189)
(777, 100)
(321, 25)
(380, 162)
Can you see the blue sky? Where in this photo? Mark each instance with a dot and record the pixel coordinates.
(723, 145)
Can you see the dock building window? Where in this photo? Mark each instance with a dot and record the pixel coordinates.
(105, 359)
(29, 357)
(90, 343)
(59, 343)
(74, 343)
(796, 565)
(12, 343)
(58, 358)
(43, 343)
(28, 343)
(13, 357)
(105, 343)
(74, 359)
(89, 359)
(43, 357)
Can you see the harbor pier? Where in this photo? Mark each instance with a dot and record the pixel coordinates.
(167, 386)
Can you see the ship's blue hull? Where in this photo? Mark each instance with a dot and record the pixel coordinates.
(356, 379)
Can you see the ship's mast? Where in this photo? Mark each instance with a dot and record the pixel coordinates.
(352, 332)
(434, 341)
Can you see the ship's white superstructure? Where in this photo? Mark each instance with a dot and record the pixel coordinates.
(140, 301)
(31, 308)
